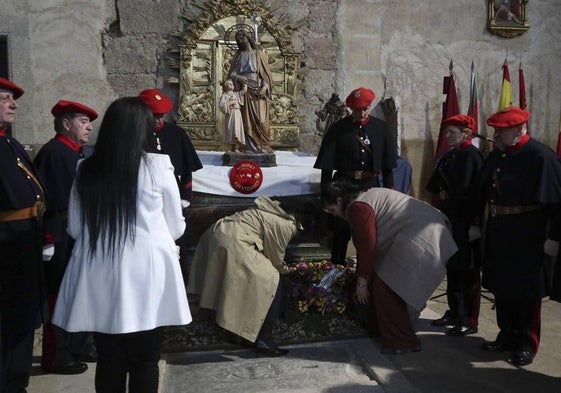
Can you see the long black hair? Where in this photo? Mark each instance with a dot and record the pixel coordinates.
(107, 181)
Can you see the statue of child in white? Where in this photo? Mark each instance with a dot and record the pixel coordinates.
(229, 104)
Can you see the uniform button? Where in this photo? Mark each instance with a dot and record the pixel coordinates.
(503, 155)
(492, 201)
(28, 177)
(494, 185)
(38, 197)
(362, 163)
(498, 169)
(362, 150)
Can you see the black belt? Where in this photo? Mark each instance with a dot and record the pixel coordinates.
(501, 210)
(359, 175)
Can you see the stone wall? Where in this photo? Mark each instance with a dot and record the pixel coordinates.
(94, 51)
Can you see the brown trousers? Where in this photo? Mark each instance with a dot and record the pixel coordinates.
(388, 314)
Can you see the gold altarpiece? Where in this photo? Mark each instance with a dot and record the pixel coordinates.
(205, 52)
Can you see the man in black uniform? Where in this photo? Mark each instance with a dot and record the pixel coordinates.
(21, 208)
(63, 352)
(360, 148)
(521, 183)
(172, 140)
(454, 180)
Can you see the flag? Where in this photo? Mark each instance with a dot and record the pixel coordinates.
(473, 107)
(449, 108)
(522, 88)
(506, 90)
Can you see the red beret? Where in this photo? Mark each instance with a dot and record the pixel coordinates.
(360, 98)
(459, 120)
(156, 101)
(64, 106)
(15, 89)
(509, 117)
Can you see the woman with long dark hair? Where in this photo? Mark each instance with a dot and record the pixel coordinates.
(123, 281)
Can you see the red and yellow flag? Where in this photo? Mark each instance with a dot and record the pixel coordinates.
(506, 91)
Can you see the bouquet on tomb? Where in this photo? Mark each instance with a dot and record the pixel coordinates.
(320, 287)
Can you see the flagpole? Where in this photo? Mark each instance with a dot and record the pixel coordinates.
(559, 137)
(473, 105)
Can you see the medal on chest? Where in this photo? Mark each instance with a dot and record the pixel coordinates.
(158, 143)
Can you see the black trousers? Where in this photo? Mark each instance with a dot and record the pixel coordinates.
(463, 288)
(136, 354)
(15, 359)
(60, 346)
(519, 322)
(340, 228)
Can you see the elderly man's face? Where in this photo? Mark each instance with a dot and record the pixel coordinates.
(78, 128)
(507, 136)
(360, 114)
(8, 106)
(454, 136)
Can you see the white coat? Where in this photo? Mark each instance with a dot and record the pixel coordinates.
(140, 289)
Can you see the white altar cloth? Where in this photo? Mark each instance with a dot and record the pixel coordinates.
(293, 175)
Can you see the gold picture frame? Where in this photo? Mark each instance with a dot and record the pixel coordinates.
(507, 18)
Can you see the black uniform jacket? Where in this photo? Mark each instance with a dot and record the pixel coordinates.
(56, 163)
(21, 290)
(341, 150)
(175, 142)
(454, 179)
(514, 258)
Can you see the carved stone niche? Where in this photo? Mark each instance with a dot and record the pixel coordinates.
(205, 53)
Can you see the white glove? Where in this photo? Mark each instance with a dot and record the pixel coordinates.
(551, 247)
(474, 233)
(178, 250)
(48, 252)
(185, 203)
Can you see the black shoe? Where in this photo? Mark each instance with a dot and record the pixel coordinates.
(399, 351)
(461, 330)
(90, 357)
(67, 369)
(522, 358)
(269, 349)
(445, 320)
(495, 346)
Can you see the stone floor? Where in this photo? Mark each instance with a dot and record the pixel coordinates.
(445, 365)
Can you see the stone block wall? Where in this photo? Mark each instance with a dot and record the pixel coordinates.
(98, 50)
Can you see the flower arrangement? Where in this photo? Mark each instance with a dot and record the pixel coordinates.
(320, 287)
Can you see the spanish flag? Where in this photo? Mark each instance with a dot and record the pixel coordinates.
(506, 90)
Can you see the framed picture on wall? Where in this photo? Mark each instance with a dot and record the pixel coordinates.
(507, 18)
